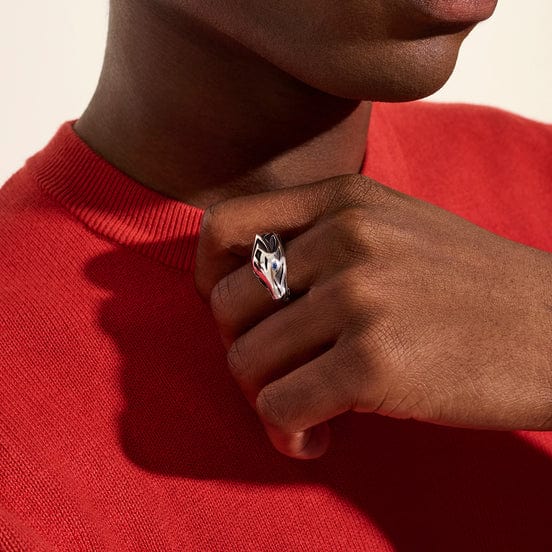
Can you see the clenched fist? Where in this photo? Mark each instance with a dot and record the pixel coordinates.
(398, 308)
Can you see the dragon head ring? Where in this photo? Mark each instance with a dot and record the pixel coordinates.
(269, 264)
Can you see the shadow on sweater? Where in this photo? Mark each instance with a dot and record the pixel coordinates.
(426, 487)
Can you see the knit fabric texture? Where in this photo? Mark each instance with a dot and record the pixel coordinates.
(121, 428)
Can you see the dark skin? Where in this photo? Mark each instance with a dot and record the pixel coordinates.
(273, 91)
(259, 112)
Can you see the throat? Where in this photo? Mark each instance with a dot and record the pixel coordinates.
(201, 119)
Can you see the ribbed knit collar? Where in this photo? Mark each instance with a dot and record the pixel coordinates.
(111, 203)
(116, 206)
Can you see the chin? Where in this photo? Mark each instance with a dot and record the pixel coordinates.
(404, 71)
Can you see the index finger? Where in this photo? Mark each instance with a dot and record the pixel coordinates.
(228, 228)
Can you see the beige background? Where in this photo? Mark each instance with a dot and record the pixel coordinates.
(51, 52)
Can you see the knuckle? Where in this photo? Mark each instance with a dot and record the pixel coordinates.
(220, 296)
(214, 228)
(271, 407)
(237, 359)
(223, 299)
(349, 292)
(351, 230)
(348, 189)
(344, 381)
(370, 234)
(354, 188)
(361, 366)
(361, 189)
(210, 219)
(208, 247)
(348, 378)
(359, 226)
(397, 235)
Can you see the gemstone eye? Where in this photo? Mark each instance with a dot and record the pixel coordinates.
(275, 264)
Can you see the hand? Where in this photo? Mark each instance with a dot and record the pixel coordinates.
(398, 308)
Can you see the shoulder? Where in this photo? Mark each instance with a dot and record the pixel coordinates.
(459, 113)
(469, 126)
(19, 196)
(472, 138)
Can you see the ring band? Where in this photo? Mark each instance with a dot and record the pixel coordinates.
(269, 265)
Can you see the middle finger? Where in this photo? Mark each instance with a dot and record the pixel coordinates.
(239, 300)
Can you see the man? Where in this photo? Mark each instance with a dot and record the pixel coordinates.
(155, 397)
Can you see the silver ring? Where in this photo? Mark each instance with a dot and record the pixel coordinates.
(269, 265)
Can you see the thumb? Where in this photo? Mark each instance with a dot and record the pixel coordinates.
(303, 445)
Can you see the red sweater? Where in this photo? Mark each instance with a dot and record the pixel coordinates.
(122, 429)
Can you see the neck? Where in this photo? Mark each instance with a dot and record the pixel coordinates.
(197, 117)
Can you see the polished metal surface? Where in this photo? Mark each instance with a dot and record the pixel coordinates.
(269, 264)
